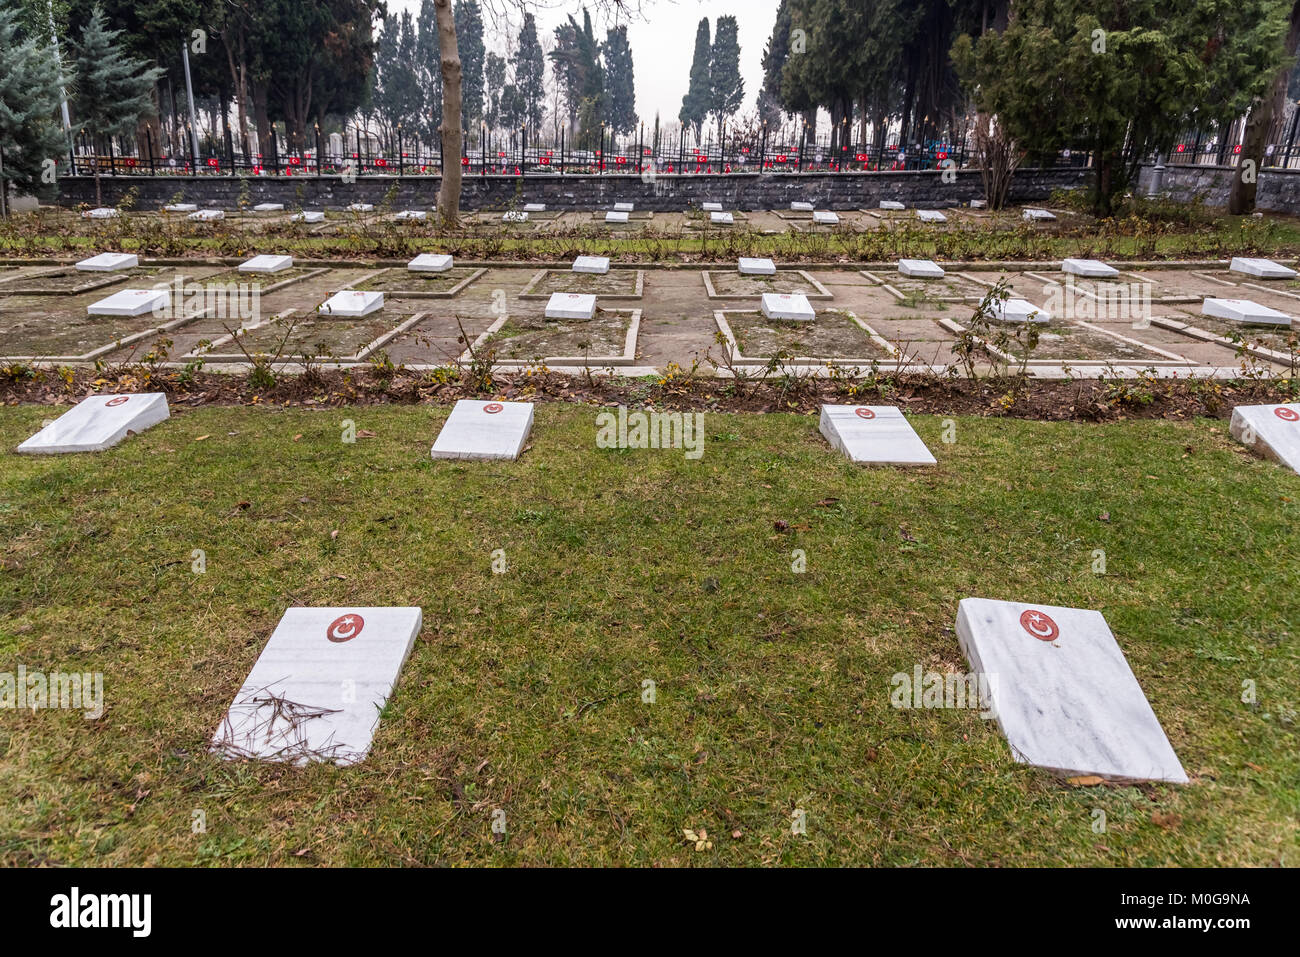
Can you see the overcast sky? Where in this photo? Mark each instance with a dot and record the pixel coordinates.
(663, 43)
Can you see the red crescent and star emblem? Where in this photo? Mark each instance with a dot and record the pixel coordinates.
(492, 408)
(345, 628)
(1287, 415)
(1039, 625)
(117, 401)
(865, 414)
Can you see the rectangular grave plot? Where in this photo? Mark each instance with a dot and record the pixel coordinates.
(721, 284)
(401, 281)
(29, 327)
(319, 338)
(833, 335)
(952, 288)
(616, 284)
(266, 283)
(1064, 341)
(1283, 344)
(1167, 286)
(602, 340)
(640, 215)
(73, 282)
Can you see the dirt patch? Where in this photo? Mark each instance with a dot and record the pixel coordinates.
(616, 282)
(419, 283)
(527, 338)
(832, 335)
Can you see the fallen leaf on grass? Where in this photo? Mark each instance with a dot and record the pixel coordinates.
(1085, 781)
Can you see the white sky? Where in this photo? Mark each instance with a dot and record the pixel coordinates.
(663, 43)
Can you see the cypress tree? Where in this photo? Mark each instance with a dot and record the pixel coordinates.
(620, 81)
(699, 95)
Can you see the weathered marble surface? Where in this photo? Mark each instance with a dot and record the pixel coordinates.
(793, 307)
(1271, 430)
(98, 423)
(874, 435)
(485, 430)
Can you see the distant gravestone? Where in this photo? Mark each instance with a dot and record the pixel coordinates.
(1272, 430)
(792, 307)
(207, 216)
(712, 207)
(979, 204)
(534, 207)
(1063, 693)
(757, 267)
(920, 268)
(269, 208)
(624, 207)
(874, 435)
(826, 218)
(409, 215)
(801, 207)
(131, 302)
(485, 430)
(313, 216)
(514, 216)
(1037, 215)
(180, 208)
(570, 305)
(1261, 268)
(109, 262)
(1244, 311)
(352, 303)
(1089, 269)
(361, 207)
(319, 686)
(1020, 310)
(722, 219)
(430, 262)
(98, 423)
(891, 204)
(617, 217)
(931, 216)
(594, 265)
(267, 264)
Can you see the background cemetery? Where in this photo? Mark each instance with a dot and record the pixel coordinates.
(647, 484)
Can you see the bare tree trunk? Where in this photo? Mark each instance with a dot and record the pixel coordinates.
(1255, 139)
(449, 191)
(999, 156)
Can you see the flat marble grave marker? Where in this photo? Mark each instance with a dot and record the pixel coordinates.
(793, 307)
(874, 435)
(534, 207)
(1019, 310)
(1063, 692)
(308, 217)
(102, 212)
(267, 264)
(978, 203)
(98, 423)
(801, 207)
(409, 215)
(485, 430)
(1273, 430)
(712, 207)
(1245, 312)
(1260, 268)
(109, 262)
(1036, 215)
(593, 265)
(361, 207)
(430, 262)
(624, 207)
(317, 689)
(891, 204)
(269, 208)
(570, 305)
(1089, 268)
(722, 219)
(757, 267)
(352, 303)
(616, 217)
(931, 216)
(515, 216)
(207, 215)
(826, 218)
(130, 302)
(920, 268)
(180, 208)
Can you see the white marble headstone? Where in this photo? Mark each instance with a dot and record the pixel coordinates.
(616, 217)
(269, 208)
(1261, 268)
(180, 208)
(757, 267)
(361, 207)
(1063, 692)
(826, 218)
(1244, 311)
(978, 203)
(570, 305)
(99, 422)
(352, 303)
(802, 207)
(1019, 310)
(312, 216)
(874, 435)
(131, 302)
(485, 430)
(266, 264)
(109, 262)
(624, 207)
(534, 207)
(1089, 268)
(595, 265)
(318, 687)
(515, 216)
(1272, 430)
(722, 219)
(792, 306)
(920, 268)
(712, 207)
(207, 215)
(102, 212)
(891, 204)
(1035, 215)
(411, 215)
(430, 262)
(931, 216)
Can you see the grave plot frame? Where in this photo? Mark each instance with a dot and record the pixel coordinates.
(736, 357)
(364, 353)
(541, 275)
(1061, 367)
(626, 358)
(312, 273)
(478, 273)
(901, 296)
(1214, 338)
(130, 340)
(94, 281)
(822, 293)
(636, 216)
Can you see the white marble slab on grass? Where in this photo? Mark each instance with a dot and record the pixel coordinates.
(352, 303)
(485, 430)
(891, 204)
(534, 207)
(1089, 268)
(757, 267)
(593, 265)
(430, 262)
(207, 215)
(109, 262)
(616, 217)
(1244, 311)
(712, 207)
(411, 215)
(931, 216)
(1019, 310)
(826, 218)
(570, 305)
(180, 208)
(361, 207)
(802, 207)
(131, 302)
(624, 207)
(98, 423)
(979, 204)
(514, 216)
(1272, 430)
(1063, 692)
(102, 212)
(920, 268)
(874, 435)
(1036, 215)
(269, 208)
(267, 264)
(793, 307)
(317, 689)
(314, 216)
(722, 219)
(1260, 268)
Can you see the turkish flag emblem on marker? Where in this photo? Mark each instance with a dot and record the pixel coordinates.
(865, 414)
(1039, 625)
(492, 408)
(1288, 415)
(118, 401)
(345, 628)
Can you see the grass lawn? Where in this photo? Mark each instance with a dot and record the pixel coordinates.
(524, 691)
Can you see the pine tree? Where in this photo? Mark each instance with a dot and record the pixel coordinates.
(29, 98)
(530, 74)
(473, 55)
(728, 86)
(620, 81)
(699, 95)
(112, 89)
(577, 66)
